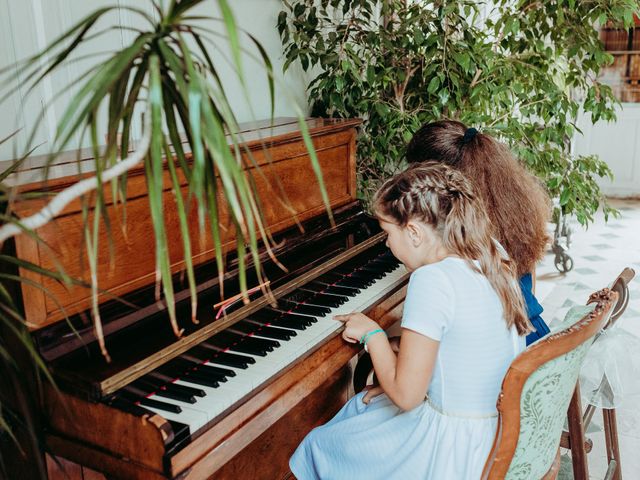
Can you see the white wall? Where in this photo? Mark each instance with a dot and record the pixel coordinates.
(618, 144)
(27, 26)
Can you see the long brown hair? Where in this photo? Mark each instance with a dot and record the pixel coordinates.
(443, 198)
(517, 204)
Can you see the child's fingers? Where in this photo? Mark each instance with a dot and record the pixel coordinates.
(372, 392)
(348, 338)
(343, 318)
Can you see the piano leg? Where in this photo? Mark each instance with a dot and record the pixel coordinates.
(267, 457)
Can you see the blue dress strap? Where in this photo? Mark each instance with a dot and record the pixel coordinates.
(534, 309)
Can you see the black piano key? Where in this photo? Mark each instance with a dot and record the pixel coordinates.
(331, 277)
(345, 281)
(127, 406)
(166, 391)
(321, 300)
(222, 371)
(339, 290)
(320, 290)
(264, 331)
(328, 300)
(365, 279)
(135, 395)
(304, 309)
(204, 354)
(160, 376)
(270, 314)
(239, 342)
(203, 379)
(181, 432)
(374, 272)
(167, 382)
(361, 273)
(213, 371)
(290, 323)
(167, 407)
(231, 359)
(382, 266)
(176, 368)
(386, 260)
(196, 392)
(352, 282)
(186, 368)
(299, 296)
(251, 348)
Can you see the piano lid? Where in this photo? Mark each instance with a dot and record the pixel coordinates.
(286, 171)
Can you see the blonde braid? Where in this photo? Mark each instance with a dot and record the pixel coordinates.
(442, 197)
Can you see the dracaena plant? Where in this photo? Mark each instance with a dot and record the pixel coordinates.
(169, 70)
(166, 82)
(519, 69)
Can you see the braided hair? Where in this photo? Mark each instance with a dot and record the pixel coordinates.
(443, 198)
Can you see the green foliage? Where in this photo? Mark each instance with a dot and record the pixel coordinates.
(168, 74)
(520, 70)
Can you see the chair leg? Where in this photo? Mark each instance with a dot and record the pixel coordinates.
(576, 434)
(611, 440)
(552, 473)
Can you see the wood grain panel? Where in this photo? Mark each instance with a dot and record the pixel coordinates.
(113, 430)
(267, 457)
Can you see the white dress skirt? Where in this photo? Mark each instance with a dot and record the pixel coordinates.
(449, 435)
(380, 441)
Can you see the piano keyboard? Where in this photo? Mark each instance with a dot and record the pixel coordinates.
(194, 388)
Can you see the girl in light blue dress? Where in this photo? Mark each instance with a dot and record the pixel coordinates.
(433, 415)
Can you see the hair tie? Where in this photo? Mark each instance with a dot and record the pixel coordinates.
(469, 135)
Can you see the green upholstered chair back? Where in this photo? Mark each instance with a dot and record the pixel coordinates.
(536, 391)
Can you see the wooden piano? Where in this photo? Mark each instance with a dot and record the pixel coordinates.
(234, 396)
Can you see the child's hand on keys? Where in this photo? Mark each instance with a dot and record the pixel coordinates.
(355, 326)
(372, 392)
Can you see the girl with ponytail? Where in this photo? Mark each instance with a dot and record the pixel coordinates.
(433, 415)
(516, 203)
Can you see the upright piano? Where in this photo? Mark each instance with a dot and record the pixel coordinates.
(233, 396)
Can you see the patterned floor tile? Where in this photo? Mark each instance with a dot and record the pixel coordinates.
(594, 258)
(610, 235)
(599, 256)
(603, 246)
(585, 271)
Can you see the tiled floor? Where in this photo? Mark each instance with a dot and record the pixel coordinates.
(599, 254)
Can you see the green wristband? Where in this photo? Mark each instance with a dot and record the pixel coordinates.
(365, 338)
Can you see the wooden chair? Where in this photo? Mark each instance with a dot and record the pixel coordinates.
(536, 392)
(578, 421)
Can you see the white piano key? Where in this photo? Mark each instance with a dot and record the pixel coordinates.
(191, 416)
(246, 380)
(215, 399)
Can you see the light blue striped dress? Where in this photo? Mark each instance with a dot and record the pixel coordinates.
(449, 435)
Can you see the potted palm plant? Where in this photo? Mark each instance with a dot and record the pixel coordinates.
(166, 83)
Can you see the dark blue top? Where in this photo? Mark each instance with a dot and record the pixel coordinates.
(534, 309)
